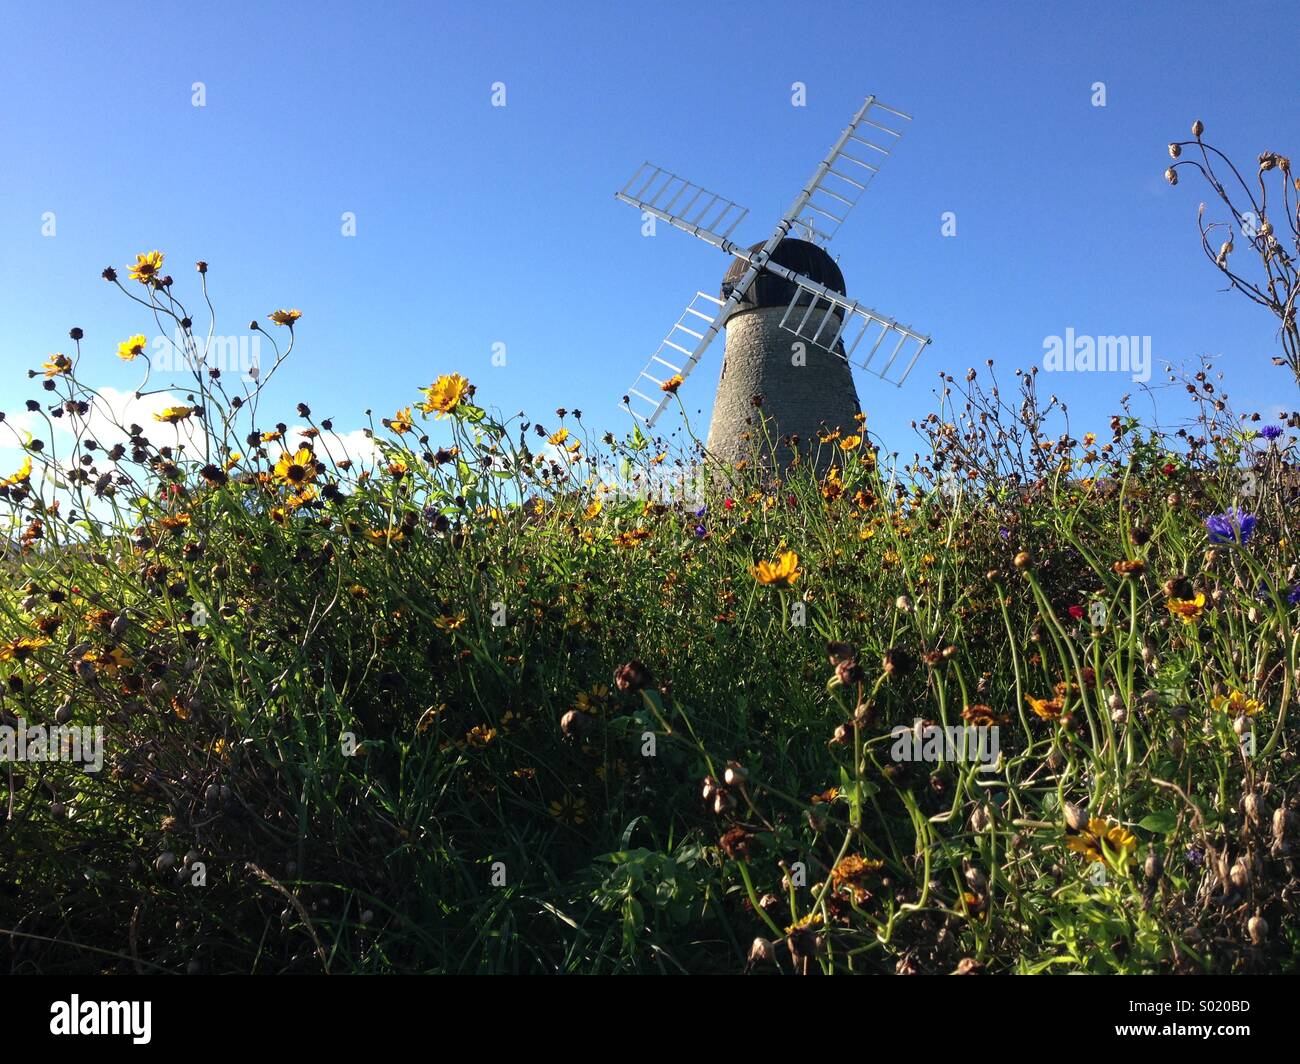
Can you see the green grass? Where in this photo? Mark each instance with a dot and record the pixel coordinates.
(385, 720)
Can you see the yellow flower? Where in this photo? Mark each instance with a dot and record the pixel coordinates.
(57, 365)
(127, 350)
(173, 414)
(850, 443)
(591, 511)
(296, 469)
(1236, 703)
(570, 810)
(285, 317)
(401, 421)
(1047, 708)
(445, 394)
(632, 537)
(1187, 610)
(147, 267)
(448, 623)
(781, 573)
(23, 475)
(557, 437)
(385, 535)
(672, 384)
(21, 649)
(1100, 841)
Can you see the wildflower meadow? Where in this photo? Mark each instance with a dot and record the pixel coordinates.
(468, 692)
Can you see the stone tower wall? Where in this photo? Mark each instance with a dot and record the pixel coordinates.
(797, 400)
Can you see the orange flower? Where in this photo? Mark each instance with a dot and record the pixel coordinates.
(783, 572)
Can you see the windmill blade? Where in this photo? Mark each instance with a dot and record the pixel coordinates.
(677, 356)
(846, 172)
(683, 205)
(825, 318)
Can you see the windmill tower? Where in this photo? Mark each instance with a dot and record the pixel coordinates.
(792, 330)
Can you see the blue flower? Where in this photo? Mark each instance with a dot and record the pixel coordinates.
(701, 531)
(1271, 432)
(1231, 526)
(1293, 596)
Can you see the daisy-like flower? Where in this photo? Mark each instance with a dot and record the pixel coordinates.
(1187, 610)
(57, 365)
(1129, 567)
(131, 348)
(385, 536)
(22, 476)
(296, 469)
(285, 317)
(401, 421)
(1047, 708)
(173, 414)
(445, 394)
(21, 649)
(631, 537)
(1100, 841)
(569, 810)
(1231, 526)
(672, 384)
(148, 267)
(592, 510)
(850, 872)
(783, 572)
(850, 443)
(1236, 703)
(557, 437)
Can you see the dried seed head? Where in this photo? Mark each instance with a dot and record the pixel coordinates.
(1239, 873)
(1154, 865)
(761, 952)
(1198, 127)
(1257, 928)
(1076, 816)
(1171, 175)
(735, 774)
(1175, 151)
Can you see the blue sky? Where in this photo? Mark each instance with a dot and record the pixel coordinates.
(478, 225)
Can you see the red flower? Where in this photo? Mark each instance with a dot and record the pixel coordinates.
(729, 503)
(1169, 469)
(1077, 612)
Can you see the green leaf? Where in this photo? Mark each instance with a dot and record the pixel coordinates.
(1161, 823)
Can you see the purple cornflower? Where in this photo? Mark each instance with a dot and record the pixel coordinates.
(1195, 857)
(1231, 526)
(1271, 432)
(701, 531)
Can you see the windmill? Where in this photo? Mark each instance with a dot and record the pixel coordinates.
(792, 331)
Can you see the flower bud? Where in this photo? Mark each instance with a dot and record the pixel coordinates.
(1257, 928)
(735, 775)
(761, 952)
(1198, 127)
(1076, 816)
